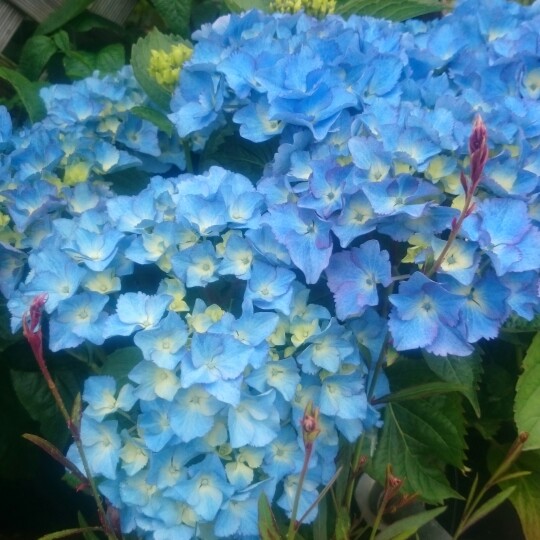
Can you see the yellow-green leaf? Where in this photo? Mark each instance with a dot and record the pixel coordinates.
(527, 402)
(406, 527)
(395, 10)
(268, 529)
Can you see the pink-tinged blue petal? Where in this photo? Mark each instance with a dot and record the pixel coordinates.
(353, 277)
(306, 236)
(426, 315)
(524, 289)
(404, 194)
(485, 307)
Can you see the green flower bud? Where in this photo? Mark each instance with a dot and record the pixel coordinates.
(165, 66)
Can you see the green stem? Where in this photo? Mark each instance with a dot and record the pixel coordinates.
(353, 473)
(293, 526)
(453, 234)
(378, 519)
(74, 430)
(509, 460)
(187, 152)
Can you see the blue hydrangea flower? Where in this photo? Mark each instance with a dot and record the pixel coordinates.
(154, 424)
(327, 349)
(269, 288)
(102, 446)
(196, 266)
(136, 311)
(196, 102)
(54, 273)
(426, 315)
(485, 307)
(164, 344)
(193, 412)
(306, 236)
(206, 488)
(154, 381)
(353, 277)
(216, 361)
(254, 420)
(503, 230)
(76, 319)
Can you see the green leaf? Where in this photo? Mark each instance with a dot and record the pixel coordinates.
(34, 394)
(496, 396)
(120, 363)
(268, 529)
(406, 527)
(156, 117)
(414, 437)
(36, 52)
(319, 527)
(420, 391)
(458, 370)
(175, 14)
(27, 91)
(395, 10)
(79, 64)
(89, 21)
(245, 5)
(62, 15)
(61, 39)
(490, 505)
(526, 497)
(58, 456)
(527, 401)
(111, 58)
(68, 532)
(343, 524)
(88, 534)
(420, 438)
(241, 156)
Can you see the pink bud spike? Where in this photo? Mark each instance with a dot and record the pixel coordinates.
(470, 210)
(478, 150)
(32, 319)
(478, 136)
(463, 180)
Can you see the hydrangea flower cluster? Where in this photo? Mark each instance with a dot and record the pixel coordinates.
(247, 300)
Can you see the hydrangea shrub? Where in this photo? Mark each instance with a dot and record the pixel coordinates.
(383, 224)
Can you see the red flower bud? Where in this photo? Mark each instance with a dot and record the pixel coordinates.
(478, 150)
(32, 325)
(310, 424)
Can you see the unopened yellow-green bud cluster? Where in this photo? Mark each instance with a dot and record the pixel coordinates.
(317, 8)
(165, 66)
